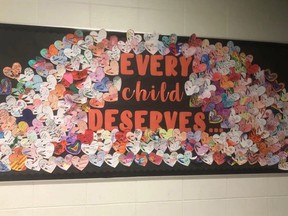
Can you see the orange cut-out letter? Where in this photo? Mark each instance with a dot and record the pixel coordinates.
(125, 63)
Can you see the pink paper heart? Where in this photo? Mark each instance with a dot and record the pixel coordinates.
(80, 162)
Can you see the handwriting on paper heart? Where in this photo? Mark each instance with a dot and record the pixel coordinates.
(14, 71)
(80, 162)
(97, 159)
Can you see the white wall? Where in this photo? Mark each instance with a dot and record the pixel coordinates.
(264, 195)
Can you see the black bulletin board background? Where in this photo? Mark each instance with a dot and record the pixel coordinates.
(19, 43)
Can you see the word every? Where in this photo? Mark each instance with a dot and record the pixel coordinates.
(158, 65)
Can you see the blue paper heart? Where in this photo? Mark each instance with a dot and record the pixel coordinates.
(102, 86)
(4, 167)
(228, 102)
(27, 116)
(5, 86)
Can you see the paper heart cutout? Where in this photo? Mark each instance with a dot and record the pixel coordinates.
(262, 160)
(97, 103)
(201, 149)
(48, 165)
(112, 160)
(139, 48)
(187, 145)
(99, 36)
(278, 86)
(80, 162)
(147, 147)
(133, 147)
(161, 145)
(127, 159)
(44, 69)
(17, 159)
(61, 44)
(198, 67)
(252, 69)
(103, 85)
(33, 164)
(151, 46)
(35, 83)
(72, 52)
(214, 118)
(75, 37)
(226, 83)
(27, 76)
(244, 127)
(219, 158)
(105, 146)
(5, 86)
(45, 151)
(194, 41)
(191, 88)
(64, 163)
(166, 41)
(114, 53)
(208, 158)
(59, 147)
(175, 49)
(74, 148)
(86, 43)
(34, 63)
(156, 158)
(178, 135)
(51, 51)
(174, 145)
(208, 107)
(253, 157)
(90, 149)
(112, 95)
(141, 159)
(216, 76)
(14, 71)
(187, 50)
(183, 159)
(124, 46)
(163, 50)
(269, 75)
(112, 69)
(283, 165)
(98, 159)
(4, 167)
(166, 134)
(272, 159)
(119, 146)
(87, 137)
(170, 159)
(134, 136)
(227, 100)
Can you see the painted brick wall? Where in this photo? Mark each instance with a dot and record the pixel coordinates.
(263, 195)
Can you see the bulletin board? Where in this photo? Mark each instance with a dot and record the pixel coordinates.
(79, 103)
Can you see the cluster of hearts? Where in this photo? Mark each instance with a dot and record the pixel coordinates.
(44, 119)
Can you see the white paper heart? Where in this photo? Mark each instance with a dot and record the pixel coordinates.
(112, 160)
(170, 159)
(48, 165)
(90, 149)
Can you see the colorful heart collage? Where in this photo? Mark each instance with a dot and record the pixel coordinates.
(44, 123)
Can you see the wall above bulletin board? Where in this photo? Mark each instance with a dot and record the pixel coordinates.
(78, 103)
